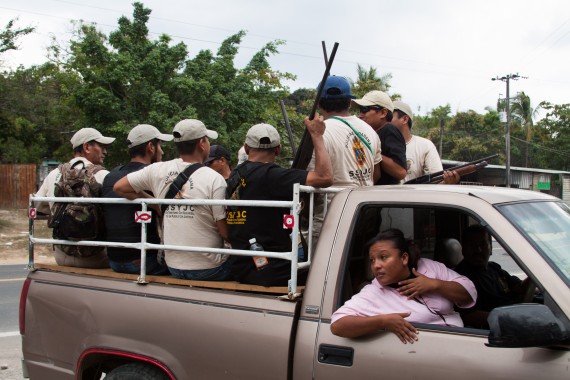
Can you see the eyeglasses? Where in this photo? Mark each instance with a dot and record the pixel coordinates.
(365, 109)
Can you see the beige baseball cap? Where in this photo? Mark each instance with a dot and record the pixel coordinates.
(376, 98)
(399, 105)
(265, 132)
(144, 133)
(85, 135)
(192, 129)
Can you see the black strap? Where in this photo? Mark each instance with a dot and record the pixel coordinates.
(235, 178)
(176, 186)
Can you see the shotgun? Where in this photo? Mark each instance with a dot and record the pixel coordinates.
(305, 151)
(288, 126)
(462, 170)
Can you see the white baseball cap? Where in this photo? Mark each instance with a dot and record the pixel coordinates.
(376, 98)
(144, 133)
(192, 129)
(267, 132)
(85, 135)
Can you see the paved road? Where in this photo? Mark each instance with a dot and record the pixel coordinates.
(11, 280)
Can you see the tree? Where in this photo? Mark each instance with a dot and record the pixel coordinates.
(128, 79)
(9, 36)
(554, 149)
(368, 80)
(37, 115)
(523, 114)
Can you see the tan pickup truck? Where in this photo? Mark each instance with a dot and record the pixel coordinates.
(93, 324)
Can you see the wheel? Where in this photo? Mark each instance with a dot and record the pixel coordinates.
(136, 371)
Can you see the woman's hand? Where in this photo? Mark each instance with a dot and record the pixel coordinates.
(418, 286)
(398, 325)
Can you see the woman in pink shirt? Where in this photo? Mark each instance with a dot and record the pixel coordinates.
(405, 289)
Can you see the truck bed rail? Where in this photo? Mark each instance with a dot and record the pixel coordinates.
(295, 208)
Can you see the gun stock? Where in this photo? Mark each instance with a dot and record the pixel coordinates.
(472, 168)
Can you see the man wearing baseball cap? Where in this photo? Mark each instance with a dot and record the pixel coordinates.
(353, 146)
(259, 178)
(219, 160)
(187, 178)
(421, 154)
(144, 147)
(376, 109)
(89, 148)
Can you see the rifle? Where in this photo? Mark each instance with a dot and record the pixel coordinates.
(463, 169)
(288, 126)
(305, 151)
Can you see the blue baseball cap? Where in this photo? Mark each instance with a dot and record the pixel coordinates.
(336, 88)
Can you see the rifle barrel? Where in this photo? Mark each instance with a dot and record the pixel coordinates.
(428, 178)
(288, 126)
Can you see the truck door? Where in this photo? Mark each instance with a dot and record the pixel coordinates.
(441, 352)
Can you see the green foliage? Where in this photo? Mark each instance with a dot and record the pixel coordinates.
(9, 36)
(36, 114)
(369, 80)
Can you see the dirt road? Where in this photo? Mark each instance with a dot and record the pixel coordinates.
(14, 238)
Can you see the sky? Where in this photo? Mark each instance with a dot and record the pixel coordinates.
(438, 52)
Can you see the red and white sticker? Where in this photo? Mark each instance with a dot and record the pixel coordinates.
(143, 216)
(288, 221)
(32, 213)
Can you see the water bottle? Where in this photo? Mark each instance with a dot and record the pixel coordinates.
(259, 261)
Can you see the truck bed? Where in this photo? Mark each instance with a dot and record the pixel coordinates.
(225, 285)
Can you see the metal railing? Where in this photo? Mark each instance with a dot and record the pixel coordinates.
(294, 207)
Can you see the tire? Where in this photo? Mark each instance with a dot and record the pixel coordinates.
(136, 371)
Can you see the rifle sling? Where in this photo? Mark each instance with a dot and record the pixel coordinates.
(178, 183)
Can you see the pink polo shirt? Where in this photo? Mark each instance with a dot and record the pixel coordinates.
(375, 299)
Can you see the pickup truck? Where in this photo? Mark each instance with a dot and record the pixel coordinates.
(92, 324)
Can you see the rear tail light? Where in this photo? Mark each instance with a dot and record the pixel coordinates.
(23, 297)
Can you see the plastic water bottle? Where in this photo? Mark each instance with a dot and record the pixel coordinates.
(259, 261)
(254, 245)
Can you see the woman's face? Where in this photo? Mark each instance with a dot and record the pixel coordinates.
(387, 265)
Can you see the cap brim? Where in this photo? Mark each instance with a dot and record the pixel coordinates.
(105, 140)
(165, 137)
(364, 103)
(211, 134)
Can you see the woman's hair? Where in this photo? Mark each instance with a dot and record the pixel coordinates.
(398, 241)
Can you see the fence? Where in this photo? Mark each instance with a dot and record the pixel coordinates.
(17, 182)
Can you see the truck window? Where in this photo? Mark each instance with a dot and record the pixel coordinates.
(437, 233)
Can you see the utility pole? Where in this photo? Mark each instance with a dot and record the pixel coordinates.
(507, 79)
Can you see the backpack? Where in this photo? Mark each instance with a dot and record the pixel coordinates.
(77, 221)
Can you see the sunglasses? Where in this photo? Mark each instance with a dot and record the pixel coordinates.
(365, 109)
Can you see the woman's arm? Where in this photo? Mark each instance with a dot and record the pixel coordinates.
(354, 326)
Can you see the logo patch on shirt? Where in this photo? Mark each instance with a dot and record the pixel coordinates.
(358, 150)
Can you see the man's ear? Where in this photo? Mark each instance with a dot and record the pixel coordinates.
(278, 150)
(246, 148)
(150, 148)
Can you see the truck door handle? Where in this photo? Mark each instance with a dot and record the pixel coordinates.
(336, 355)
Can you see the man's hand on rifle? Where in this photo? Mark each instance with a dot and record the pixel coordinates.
(316, 126)
(450, 177)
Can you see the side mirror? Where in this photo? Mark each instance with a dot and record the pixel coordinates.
(525, 325)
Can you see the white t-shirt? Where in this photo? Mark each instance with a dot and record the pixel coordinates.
(48, 186)
(187, 225)
(352, 161)
(422, 158)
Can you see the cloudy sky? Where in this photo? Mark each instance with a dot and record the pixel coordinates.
(438, 51)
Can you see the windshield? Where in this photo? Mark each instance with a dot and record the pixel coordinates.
(547, 226)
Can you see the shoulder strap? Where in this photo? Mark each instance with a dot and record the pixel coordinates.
(355, 132)
(178, 183)
(235, 178)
